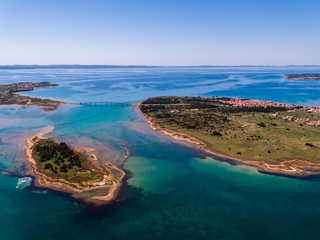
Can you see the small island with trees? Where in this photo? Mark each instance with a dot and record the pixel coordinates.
(274, 137)
(8, 95)
(57, 166)
(303, 77)
(58, 160)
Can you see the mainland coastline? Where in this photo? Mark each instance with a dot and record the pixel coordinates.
(287, 167)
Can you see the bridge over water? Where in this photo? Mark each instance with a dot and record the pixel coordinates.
(106, 103)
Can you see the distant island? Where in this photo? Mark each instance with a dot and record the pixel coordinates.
(8, 95)
(57, 166)
(303, 77)
(275, 137)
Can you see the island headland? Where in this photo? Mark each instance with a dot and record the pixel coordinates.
(55, 165)
(8, 95)
(275, 138)
(303, 76)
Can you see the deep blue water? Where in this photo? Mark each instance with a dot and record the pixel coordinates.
(173, 191)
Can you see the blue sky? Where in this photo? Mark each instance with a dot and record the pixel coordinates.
(148, 32)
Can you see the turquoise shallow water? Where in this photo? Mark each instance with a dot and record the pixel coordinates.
(174, 191)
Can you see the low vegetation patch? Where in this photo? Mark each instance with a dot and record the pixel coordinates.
(251, 132)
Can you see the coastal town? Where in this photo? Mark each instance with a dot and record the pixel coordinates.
(8, 93)
(291, 108)
(240, 102)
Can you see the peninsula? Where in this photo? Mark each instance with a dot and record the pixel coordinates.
(8, 95)
(55, 165)
(274, 137)
(303, 77)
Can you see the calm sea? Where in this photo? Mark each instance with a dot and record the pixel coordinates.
(173, 190)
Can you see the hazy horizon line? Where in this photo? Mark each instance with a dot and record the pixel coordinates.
(30, 66)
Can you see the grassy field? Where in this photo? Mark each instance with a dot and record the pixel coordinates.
(58, 160)
(248, 132)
